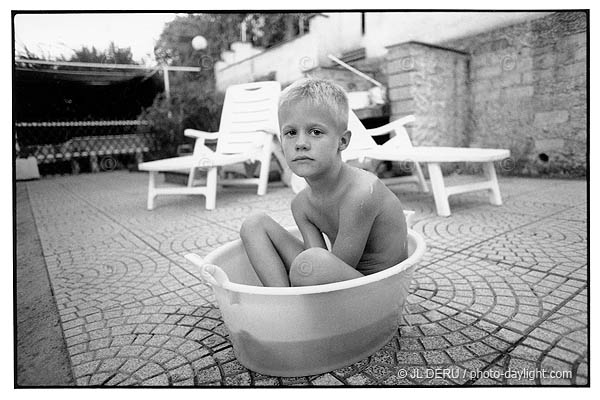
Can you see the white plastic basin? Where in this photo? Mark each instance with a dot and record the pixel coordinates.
(299, 331)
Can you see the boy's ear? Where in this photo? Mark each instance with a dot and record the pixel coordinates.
(345, 140)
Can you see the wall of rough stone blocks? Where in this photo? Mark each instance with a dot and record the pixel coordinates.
(525, 90)
(430, 83)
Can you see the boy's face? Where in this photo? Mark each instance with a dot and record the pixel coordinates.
(311, 138)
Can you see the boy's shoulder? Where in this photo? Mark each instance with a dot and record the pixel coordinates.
(363, 185)
(364, 193)
(300, 200)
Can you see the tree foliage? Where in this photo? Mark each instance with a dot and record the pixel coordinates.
(27, 54)
(193, 105)
(174, 46)
(112, 55)
(267, 30)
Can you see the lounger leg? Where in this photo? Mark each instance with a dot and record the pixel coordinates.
(265, 166)
(211, 188)
(286, 172)
(94, 163)
(490, 174)
(439, 190)
(151, 187)
(263, 178)
(191, 177)
(419, 172)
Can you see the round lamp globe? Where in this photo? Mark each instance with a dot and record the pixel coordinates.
(199, 43)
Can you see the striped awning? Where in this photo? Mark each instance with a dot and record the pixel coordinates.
(89, 76)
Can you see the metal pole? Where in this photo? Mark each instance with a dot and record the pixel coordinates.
(166, 78)
(352, 69)
(107, 66)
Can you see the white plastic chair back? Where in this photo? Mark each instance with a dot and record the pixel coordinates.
(248, 108)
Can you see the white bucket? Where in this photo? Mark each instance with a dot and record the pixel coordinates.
(299, 331)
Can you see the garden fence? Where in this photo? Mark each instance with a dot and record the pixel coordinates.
(98, 142)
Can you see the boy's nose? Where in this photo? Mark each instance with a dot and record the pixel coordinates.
(302, 142)
(301, 146)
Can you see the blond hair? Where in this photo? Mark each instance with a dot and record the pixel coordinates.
(320, 92)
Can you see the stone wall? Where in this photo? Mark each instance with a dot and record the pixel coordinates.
(525, 90)
(430, 83)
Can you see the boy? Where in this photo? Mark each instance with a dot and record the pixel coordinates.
(362, 218)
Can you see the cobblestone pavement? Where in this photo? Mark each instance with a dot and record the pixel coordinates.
(501, 289)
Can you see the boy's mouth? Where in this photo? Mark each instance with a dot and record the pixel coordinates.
(301, 158)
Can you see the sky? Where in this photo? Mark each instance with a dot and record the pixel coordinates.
(52, 35)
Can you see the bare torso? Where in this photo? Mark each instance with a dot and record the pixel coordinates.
(386, 243)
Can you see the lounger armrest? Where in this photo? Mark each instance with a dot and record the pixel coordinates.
(397, 142)
(195, 133)
(382, 130)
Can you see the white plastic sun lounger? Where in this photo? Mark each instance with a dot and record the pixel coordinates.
(400, 148)
(248, 123)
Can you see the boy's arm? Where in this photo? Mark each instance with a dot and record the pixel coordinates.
(356, 221)
(311, 235)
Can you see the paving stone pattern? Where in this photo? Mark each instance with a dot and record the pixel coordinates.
(500, 289)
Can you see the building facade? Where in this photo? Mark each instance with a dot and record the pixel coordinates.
(515, 80)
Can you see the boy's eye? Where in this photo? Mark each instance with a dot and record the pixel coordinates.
(290, 133)
(316, 132)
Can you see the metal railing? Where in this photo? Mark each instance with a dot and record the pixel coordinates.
(75, 141)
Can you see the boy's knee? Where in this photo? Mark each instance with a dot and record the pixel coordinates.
(252, 224)
(303, 269)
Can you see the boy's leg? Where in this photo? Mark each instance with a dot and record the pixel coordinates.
(318, 266)
(270, 248)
